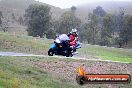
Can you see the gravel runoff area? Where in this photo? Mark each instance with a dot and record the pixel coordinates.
(67, 69)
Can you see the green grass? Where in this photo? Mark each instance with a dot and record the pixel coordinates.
(28, 44)
(20, 72)
(108, 53)
(24, 44)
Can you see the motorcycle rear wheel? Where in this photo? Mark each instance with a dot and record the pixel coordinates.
(69, 54)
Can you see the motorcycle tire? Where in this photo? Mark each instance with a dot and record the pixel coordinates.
(69, 54)
(50, 52)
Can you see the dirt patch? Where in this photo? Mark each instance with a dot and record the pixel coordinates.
(67, 69)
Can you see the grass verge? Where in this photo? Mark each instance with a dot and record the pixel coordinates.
(53, 72)
(108, 53)
(25, 44)
(20, 72)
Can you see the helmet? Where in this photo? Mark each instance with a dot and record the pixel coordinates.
(74, 30)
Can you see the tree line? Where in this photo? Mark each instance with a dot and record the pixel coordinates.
(100, 28)
(107, 29)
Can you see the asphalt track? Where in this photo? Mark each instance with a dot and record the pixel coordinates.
(74, 57)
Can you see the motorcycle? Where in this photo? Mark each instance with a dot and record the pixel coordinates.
(61, 46)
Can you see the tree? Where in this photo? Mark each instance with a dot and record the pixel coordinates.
(99, 11)
(21, 20)
(55, 24)
(38, 19)
(73, 9)
(68, 21)
(98, 18)
(128, 29)
(13, 16)
(106, 32)
(1, 16)
(93, 27)
(51, 34)
(85, 33)
(90, 31)
(3, 22)
(121, 27)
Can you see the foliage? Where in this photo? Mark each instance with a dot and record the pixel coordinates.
(3, 22)
(107, 29)
(106, 32)
(73, 9)
(38, 19)
(99, 11)
(89, 30)
(85, 33)
(128, 29)
(13, 16)
(68, 21)
(1, 15)
(21, 20)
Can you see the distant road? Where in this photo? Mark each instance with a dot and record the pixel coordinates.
(74, 57)
(14, 54)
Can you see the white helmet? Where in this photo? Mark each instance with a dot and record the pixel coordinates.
(74, 30)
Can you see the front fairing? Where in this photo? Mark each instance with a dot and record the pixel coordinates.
(53, 46)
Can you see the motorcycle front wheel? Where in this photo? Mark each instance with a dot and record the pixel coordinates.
(50, 52)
